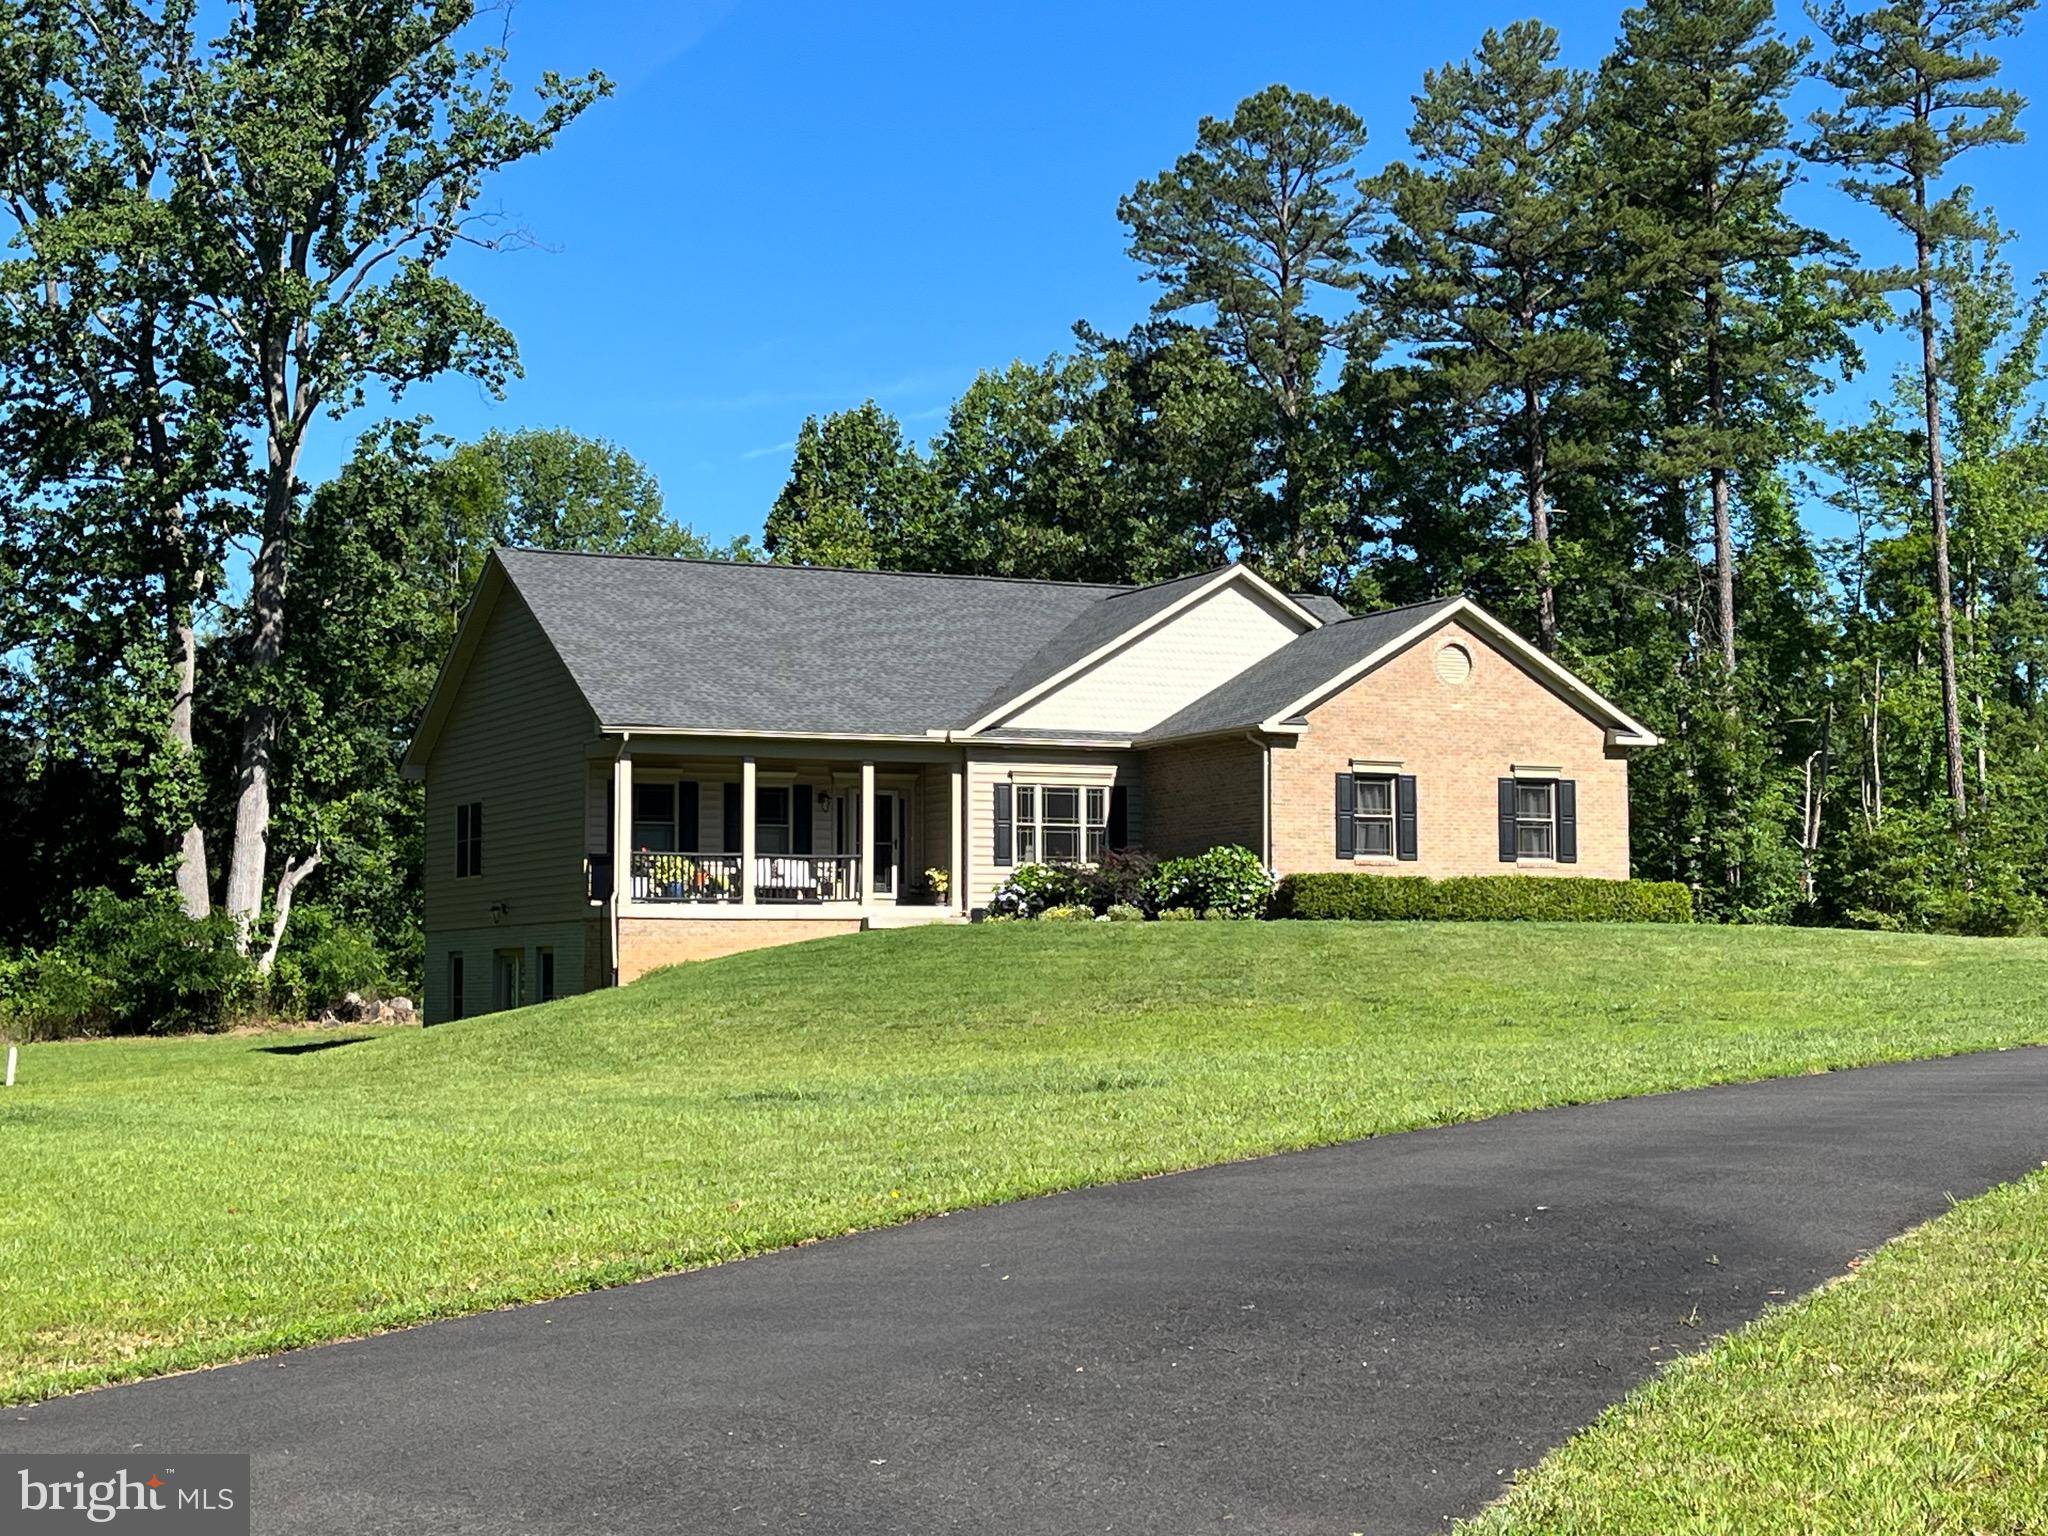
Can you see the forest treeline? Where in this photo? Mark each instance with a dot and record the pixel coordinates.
(1569, 349)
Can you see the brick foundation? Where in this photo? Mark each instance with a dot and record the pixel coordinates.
(646, 943)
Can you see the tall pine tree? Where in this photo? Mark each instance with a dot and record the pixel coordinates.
(1492, 231)
(1918, 93)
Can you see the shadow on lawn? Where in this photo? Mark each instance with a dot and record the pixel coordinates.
(303, 1046)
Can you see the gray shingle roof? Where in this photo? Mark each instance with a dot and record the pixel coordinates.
(1298, 667)
(714, 646)
(710, 645)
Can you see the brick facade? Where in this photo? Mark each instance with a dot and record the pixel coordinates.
(646, 943)
(1458, 738)
(1203, 795)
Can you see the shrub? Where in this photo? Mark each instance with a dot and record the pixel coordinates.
(1494, 898)
(1228, 881)
(1125, 912)
(132, 966)
(1032, 888)
(323, 959)
(1178, 914)
(1123, 878)
(1069, 912)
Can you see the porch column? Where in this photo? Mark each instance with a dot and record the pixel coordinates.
(865, 847)
(958, 889)
(622, 848)
(746, 832)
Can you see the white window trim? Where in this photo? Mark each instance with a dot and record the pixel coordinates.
(1548, 781)
(1036, 824)
(1392, 774)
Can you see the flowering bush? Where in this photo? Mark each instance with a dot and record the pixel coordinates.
(1032, 888)
(1125, 912)
(1071, 912)
(1224, 882)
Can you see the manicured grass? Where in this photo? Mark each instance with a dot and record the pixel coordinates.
(180, 1202)
(1913, 1397)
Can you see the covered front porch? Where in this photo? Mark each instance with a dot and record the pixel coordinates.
(712, 835)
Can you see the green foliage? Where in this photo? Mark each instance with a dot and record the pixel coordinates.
(859, 495)
(1482, 898)
(1223, 882)
(1178, 914)
(131, 966)
(323, 959)
(1123, 877)
(1124, 912)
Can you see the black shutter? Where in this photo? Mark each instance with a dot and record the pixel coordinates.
(799, 819)
(689, 833)
(1347, 806)
(1119, 816)
(732, 819)
(476, 838)
(1567, 821)
(1507, 821)
(462, 840)
(1404, 816)
(1005, 844)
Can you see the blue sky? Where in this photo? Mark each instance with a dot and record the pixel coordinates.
(789, 208)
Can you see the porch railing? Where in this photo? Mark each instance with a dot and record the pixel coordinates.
(807, 877)
(686, 876)
(700, 877)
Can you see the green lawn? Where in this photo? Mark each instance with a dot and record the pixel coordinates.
(1911, 1398)
(180, 1202)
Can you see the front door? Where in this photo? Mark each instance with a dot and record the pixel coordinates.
(888, 843)
(505, 979)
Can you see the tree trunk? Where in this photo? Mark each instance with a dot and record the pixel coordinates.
(267, 578)
(1539, 522)
(281, 907)
(1724, 538)
(192, 889)
(1937, 491)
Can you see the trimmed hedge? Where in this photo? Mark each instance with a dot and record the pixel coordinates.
(1483, 898)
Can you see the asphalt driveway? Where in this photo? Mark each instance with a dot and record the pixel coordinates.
(1367, 1338)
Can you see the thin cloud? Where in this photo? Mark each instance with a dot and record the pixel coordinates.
(772, 448)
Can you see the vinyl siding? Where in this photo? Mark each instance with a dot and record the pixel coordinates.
(1191, 654)
(515, 739)
(988, 767)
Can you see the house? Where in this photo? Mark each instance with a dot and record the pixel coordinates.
(631, 762)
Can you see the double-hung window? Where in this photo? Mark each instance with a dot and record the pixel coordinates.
(1060, 823)
(469, 839)
(1372, 813)
(1535, 818)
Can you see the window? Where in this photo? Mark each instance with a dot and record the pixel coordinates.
(654, 818)
(1535, 818)
(469, 839)
(1372, 813)
(1061, 824)
(771, 820)
(455, 985)
(546, 958)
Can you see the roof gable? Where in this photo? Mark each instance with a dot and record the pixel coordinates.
(1274, 694)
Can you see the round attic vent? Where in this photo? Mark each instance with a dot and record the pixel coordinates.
(1454, 664)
